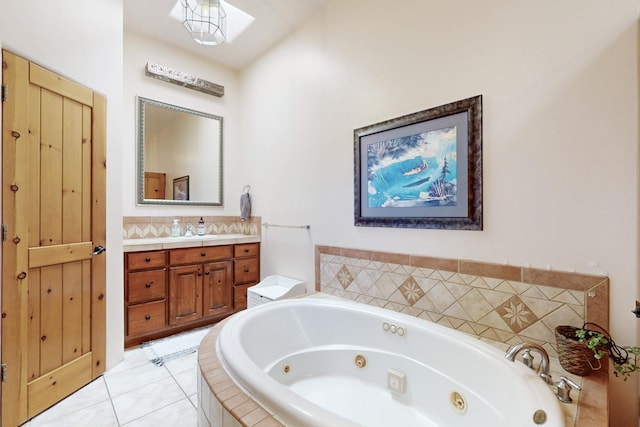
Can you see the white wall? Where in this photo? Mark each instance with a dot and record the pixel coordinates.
(138, 50)
(560, 88)
(83, 41)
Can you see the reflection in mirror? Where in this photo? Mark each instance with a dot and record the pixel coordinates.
(179, 155)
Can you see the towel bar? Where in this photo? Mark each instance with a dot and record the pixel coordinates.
(266, 224)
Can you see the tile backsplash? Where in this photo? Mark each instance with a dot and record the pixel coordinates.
(145, 227)
(501, 303)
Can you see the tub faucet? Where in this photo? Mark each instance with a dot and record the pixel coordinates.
(528, 346)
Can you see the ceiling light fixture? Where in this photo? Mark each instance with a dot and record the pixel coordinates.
(205, 20)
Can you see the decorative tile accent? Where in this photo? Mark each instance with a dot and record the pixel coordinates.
(134, 227)
(506, 304)
(516, 314)
(411, 291)
(344, 277)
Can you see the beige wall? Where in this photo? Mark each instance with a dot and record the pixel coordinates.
(560, 88)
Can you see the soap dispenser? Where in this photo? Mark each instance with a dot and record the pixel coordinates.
(201, 229)
(175, 229)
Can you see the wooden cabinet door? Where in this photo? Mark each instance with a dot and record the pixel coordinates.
(185, 294)
(217, 288)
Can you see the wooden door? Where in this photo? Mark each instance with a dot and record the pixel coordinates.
(217, 288)
(185, 294)
(154, 185)
(53, 211)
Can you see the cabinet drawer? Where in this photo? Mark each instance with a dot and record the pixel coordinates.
(146, 285)
(246, 250)
(240, 296)
(196, 255)
(246, 270)
(148, 317)
(140, 260)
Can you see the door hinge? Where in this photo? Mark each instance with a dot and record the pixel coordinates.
(5, 232)
(4, 372)
(5, 92)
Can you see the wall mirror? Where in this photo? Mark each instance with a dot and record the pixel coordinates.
(179, 155)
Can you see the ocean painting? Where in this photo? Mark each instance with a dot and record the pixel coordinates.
(413, 171)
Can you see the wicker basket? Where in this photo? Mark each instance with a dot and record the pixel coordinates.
(574, 356)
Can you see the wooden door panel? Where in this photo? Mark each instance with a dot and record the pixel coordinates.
(87, 148)
(33, 326)
(45, 78)
(50, 328)
(87, 310)
(53, 204)
(50, 169)
(49, 389)
(41, 256)
(73, 295)
(33, 201)
(185, 294)
(217, 288)
(72, 167)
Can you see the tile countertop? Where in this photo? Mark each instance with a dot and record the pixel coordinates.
(151, 244)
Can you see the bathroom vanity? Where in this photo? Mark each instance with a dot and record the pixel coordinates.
(175, 284)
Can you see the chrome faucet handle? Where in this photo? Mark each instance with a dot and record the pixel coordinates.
(546, 377)
(527, 358)
(565, 385)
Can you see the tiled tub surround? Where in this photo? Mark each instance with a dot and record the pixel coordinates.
(499, 303)
(146, 227)
(223, 403)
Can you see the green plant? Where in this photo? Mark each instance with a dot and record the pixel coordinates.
(624, 359)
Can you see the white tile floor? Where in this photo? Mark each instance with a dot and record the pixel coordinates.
(134, 393)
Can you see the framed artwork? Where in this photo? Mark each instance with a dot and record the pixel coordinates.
(422, 170)
(181, 188)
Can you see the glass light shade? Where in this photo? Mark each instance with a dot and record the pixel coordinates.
(205, 20)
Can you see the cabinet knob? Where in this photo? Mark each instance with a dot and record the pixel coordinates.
(246, 251)
(246, 269)
(147, 317)
(199, 273)
(148, 285)
(147, 259)
(203, 254)
(207, 273)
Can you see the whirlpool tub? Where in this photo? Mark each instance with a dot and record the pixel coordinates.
(325, 362)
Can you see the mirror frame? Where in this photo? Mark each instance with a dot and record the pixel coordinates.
(142, 102)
